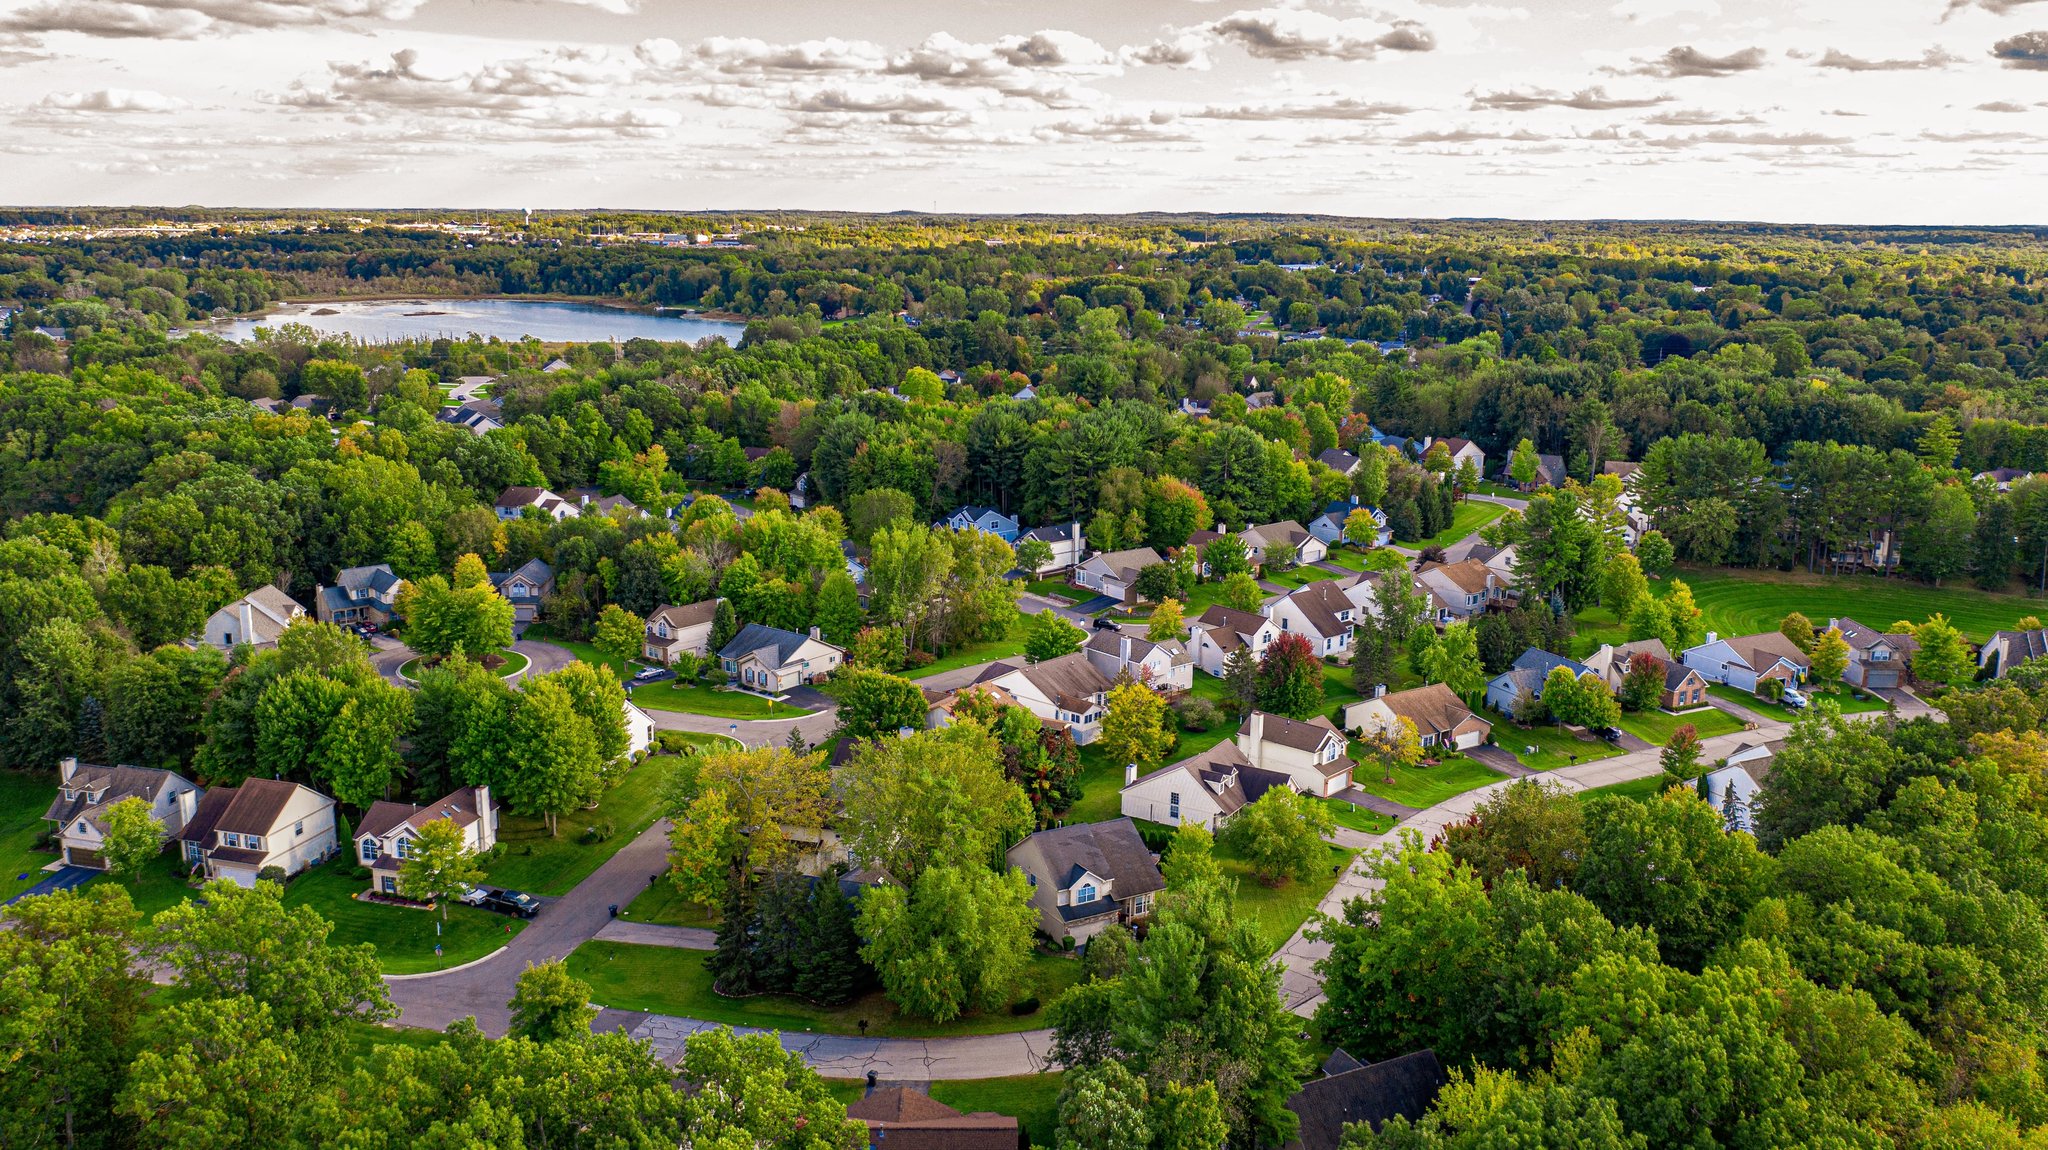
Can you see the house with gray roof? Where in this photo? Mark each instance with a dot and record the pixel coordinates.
(1311, 754)
(86, 790)
(1218, 631)
(1115, 573)
(2008, 649)
(1351, 1093)
(986, 519)
(359, 595)
(475, 417)
(525, 587)
(257, 619)
(676, 630)
(1876, 659)
(771, 660)
(1162, 666)
(1319, 612)
(1339, 460)
(384, 840)
(1088, 876)
(1205, 788)
(1526, 677)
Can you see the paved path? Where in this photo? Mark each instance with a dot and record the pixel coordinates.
(1372, 802)
(658, 934)
(1501, 761)
(63, 878)
(541, 657)
(844, 1056)
(1508, 501)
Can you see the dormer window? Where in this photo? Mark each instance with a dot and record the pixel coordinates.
(253, 842)
(369, 850)
(92, 798)
(1085, 895)
(230, 840)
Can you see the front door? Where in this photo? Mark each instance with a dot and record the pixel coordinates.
(390, 885)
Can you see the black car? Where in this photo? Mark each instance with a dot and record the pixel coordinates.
(1107, 625)
(1611, 734)
(515, 903)
(654, 675)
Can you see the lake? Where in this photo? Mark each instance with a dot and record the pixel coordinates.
(388, 320)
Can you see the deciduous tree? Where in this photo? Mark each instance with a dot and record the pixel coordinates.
(1281, 836)
(1136, 730)
(549, 1004)
(438, 865)
(1290, 677)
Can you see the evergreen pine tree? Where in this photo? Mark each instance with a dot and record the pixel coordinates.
(797, 742)
(92, 730)
(724, 625)
(732, 957)
(781, 941)
(832, 971)
(1241, 677)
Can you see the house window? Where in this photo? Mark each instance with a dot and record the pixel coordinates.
(1085, 895)
(1141, 905)
(299, 828)
(92, 798)
(369, 850)
(1173, 805)
(390, 885)
(401, 847)
(230, 840)
(254, 842)
(81, 826)
(1879, 655)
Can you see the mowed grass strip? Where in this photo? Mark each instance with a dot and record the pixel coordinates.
(1741, 602)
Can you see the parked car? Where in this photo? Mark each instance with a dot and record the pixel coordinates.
(1793, 699)
(1611, 734)
(472, 895)
(654, 675)
(515, 903)
(1108, 625)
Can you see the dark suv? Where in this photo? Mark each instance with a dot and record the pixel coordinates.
(515, 903)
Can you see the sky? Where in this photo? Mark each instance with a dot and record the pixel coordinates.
(1851, 111)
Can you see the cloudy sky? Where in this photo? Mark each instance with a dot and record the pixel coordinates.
(1932, 111)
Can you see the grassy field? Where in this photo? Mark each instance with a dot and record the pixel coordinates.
(1032, 1099)
(969, 654)
(1280, 910)
(1423, 786)
(1357, 817)
(1468, 517)
(1657, 726)
(1056, 589)
(514, 663)
(1593, 627)
(662, 903)
(1783, 714)
(1301, 576)
(1346, 558)
(1745, 602)
(1555, 746)
(664, 980)
(23, 799)
(531, 861)
(1639, 789)
(695, 698)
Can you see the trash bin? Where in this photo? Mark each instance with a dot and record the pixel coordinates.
(615, 910)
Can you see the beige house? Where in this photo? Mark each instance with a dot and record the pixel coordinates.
(674, 631)
(1462, 451)
(1319, 612)
(1214, 634)
(1611, 661)
(1310, 754)
(770, 660)
(384, 840)
(85, 790)
(1115, 573)
(1441, 718)
(1087, 876)
(1067, 690)
(1462, 589)
(1285, 542)
(1162, 666)
(257, 619)
(238, 832)
(1205, 789)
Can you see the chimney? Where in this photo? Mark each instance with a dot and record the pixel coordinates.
(188, 805)
(817, 634)
(1130, 773)
(1379, 690)
(248, 620)
(1258, 732)
(487, 816)
(1711, 637)
(1123, 647)
(66, 767)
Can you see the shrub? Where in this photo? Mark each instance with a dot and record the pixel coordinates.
(1024, 1006)
(598, 832)
(1196, 713)
(273, 873)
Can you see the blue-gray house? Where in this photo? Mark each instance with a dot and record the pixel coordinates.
(1526, 676)
(1004, 527)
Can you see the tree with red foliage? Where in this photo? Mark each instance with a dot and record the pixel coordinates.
(1290, 678)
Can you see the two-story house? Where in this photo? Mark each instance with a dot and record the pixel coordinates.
(1218, 631)
(1115, 573)
(1283, 544)
(384, 840)
(1319, 612)
(1463, 589)
(1340, 461)
(674, 631)
(1310, 754)
(1087, 877)
(238, 832)
(1876, 660)
(257, 619)
(1748, 661)
(513, 502)
(1067, 690)
(1463, 451)
(1330, 525)
(360, 596)
(1162, 666)
(2008, 649)
(1205, 789)
(984, 519)
(770, 660)
(525, 588)
(1611, 661)
(1068, 542)
(85, 790)
(1440, 717)
(1525, 677)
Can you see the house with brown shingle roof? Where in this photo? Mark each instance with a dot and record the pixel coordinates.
(1218, 631)
(673, 631)
(1746, 660)
(1162, 666)
(1115, 573)
(238, 832)
(1067, 690)
(86, 790)
(384, 840)
(1086, 877)
(1876, 659)
(257, 619)
(1441, 718)
(903, 1119)
(1463, 589)
(1319, 612)
(1311, 754)
(1285, 542)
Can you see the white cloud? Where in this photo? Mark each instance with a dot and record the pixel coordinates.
(184, 19)
(1643, 11)
(111, 100)
(1303, 34)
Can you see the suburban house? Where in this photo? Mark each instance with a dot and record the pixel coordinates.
(1286, 542)
(1192, 407)
(1351, 1092)
(85, 789)
(1340, 461)
(1732, 791)
(1683, 687)
(1878, 552)
(1321, 613)
(1462, 589)
(1499, 560)
(639, 729)
(1088, 876)
(900, 1117)
(360, 595)
(2002, 478)
(474, 416)
(1549, 470)
(988, 519)
(1067, 690)
(1067, 541)
(514, 501)
(1525, 677)
(238, 832)
(525, 588)
(771, 660)
(1755, 758)
(2008, 649)
(673, 631)
(941, 705)
(614, 506)
(257, 619)
(1329, 526)
(1218, 631)
(1162, 666)
(1441, 718)
(1205, 789)
(1310, 754)
(856, 566)
(1747, 660)
(1115, 573)
(1463, 451)
(800, 492)
(1876, 660)
(1611, 661)
(384, 840)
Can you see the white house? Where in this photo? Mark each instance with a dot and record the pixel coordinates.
(1088, 876)
(1339, 460)
(1747, 660)
(1310, 754)
(514, 501)
(1732, 791)
(238, 832)
(1205, 789)
(1462, 451)
(1067, 690)
(639, 729)
(1162, 666)
(84, 791)
(1218, 631)
(1069, 545)
(1329, 526)
(1319, 612)
(771, 660)
(384, 840)
(257, 619)
(1462, 589)
(673, 631)
(856, 565)
(1115, 573)
(1441, 718)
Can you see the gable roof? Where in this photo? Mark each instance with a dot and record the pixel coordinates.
(1321, 602)
(1053, 533)
(1125, 564)
(112, 783)
(904, 1119)
(462, 807)
(1070, 681)
(270, 611)
(2016, 647)
(1223, 771)
(533, 571)
(1371, 1094)
(257, 804)
(772, 645)
(687, 615)
(1861, 638)
(1338, 459)
(1468, 575)
(1286, 531)
(1111, 643)
(1433, 709)
(1676, 673)
(1765, 648)
(1229, 628)
(1454, 444)
(376, 579)
(1293, 732)
(1111, 850)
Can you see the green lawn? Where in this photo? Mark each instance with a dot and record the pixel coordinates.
(1056, 589)
(1468, 517)
(514, 663)
(1658, 726)
(1555, 746)
(1346, 558)
(1745, 602)
(529, 860)
(1641, 790)
(1593, 627)
(1032, 1099)
(1783, 714)
(363, 1038)
(23, 799)
(1357, 817)
(971, 653)
(1300, 576)
(672, 695)
(1422, 787)
(665, 980)
(1280, 910)
(663, 903)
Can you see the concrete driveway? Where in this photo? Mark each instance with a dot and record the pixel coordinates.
(1501, 761)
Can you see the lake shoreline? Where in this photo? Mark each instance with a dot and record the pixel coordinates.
(549, 320)
(471, 297)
